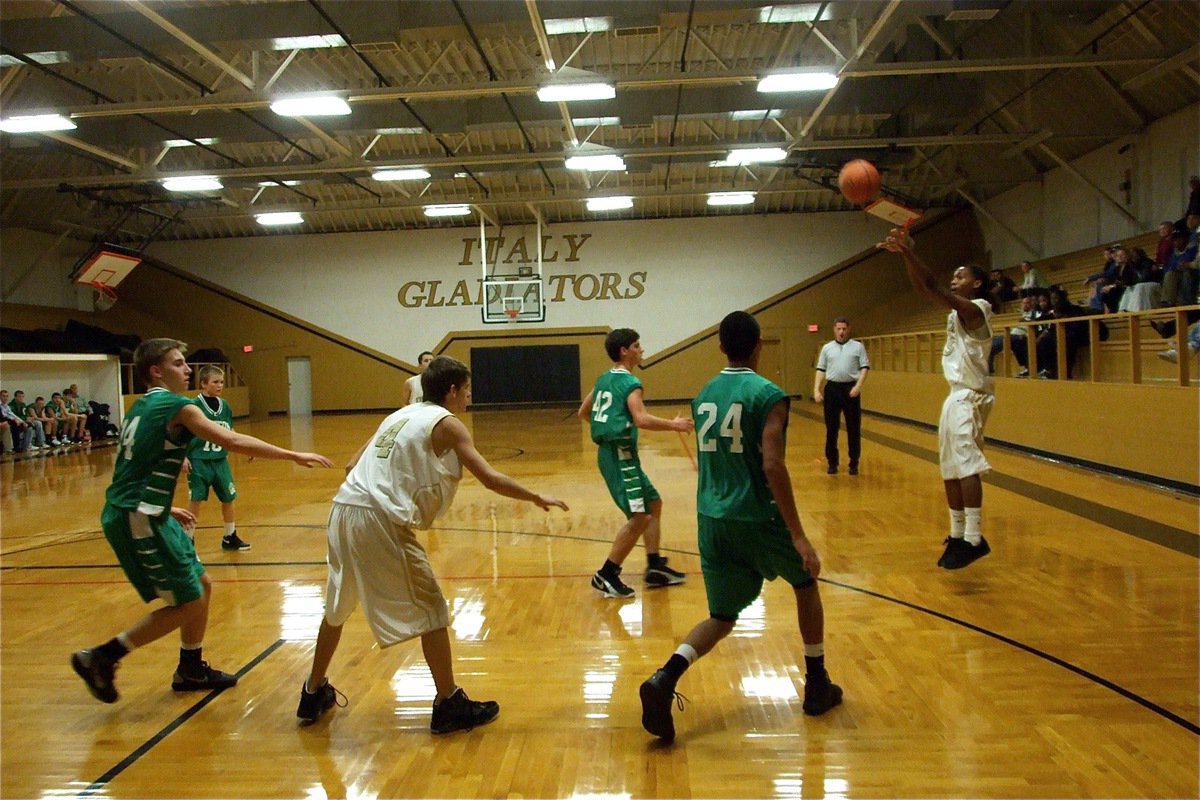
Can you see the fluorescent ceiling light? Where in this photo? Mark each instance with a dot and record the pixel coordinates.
(601, 122)
(598, 163)
(192, 183)
(44, 57)
(308, 42)
(280, 218)
(730, 198)
(567, 92)
(774, 15)
(36, 123)
(755, 114)
(398, 131)
(756, 155)
(414, 174)
(188, 142)
(326, 105)
(448, 210)
(809, 81)
(577, 25)
(269, 184)
(609, 203)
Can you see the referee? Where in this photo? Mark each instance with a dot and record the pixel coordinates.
(842, 368)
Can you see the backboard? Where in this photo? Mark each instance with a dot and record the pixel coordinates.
(513, 299)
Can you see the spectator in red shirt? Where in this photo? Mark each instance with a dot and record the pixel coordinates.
(1165, 245)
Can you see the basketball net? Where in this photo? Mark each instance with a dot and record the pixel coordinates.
(512, 312)
(103, 295)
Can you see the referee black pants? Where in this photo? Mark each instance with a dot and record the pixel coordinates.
(838, 402)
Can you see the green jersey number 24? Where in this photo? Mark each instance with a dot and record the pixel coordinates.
(731, 427)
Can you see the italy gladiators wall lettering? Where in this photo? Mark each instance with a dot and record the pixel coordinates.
(584, 286)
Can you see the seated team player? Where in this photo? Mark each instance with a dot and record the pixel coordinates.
(207, 464)
(145, 532)
(41, 412)
(70, 425)
(401, 480)
(22, 410)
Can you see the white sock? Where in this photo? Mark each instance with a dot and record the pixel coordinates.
(123, 638)
(958, 523)
(230, 527)
(973, 534)
(187, 646)
(688, 652)
(814, 650)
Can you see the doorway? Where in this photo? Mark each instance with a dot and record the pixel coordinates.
(299, 370)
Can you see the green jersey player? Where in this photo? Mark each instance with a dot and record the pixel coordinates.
(207, 464)
(616, 411)
(748, 525)
(145, 532)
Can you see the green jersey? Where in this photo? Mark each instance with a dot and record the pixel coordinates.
(149, 455)
(610, 407)
(730, 413)
(19, 409)
(223, 416)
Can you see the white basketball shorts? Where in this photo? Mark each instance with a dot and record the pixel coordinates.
(960, 433)
(380, 564)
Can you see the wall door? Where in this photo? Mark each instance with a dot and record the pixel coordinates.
(770, 361)
(299, 386)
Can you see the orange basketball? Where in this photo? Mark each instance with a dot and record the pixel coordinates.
(859, 181)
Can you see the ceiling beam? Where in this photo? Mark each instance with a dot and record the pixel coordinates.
(661, 150)
(99, 152)
(227, 101)
(192, 44)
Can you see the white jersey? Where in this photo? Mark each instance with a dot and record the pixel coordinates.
(399, 475)
(965, 357)
(415, 393)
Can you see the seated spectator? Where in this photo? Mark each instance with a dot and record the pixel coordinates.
(1193, 345)
(1175, 275)
(1140, 277)
(1165, 246)
(1189, 273)
(1106, 284)
(1033, 279)
(1076, 334)
(45, 415)
(1001, 289)
(21, 409)
(17, 426)
(1017, 338)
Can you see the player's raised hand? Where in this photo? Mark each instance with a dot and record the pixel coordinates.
(545, 501)
(683, 424)
(311, 460)
(897, 241)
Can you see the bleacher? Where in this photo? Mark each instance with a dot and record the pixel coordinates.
(1068, 270)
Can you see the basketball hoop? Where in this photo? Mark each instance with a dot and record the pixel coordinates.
(103, 295)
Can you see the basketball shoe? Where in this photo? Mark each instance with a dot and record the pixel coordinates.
(460, 713)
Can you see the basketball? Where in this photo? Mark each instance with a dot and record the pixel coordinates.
(859, 181)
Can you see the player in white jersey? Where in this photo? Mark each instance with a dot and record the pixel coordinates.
(412, 387)
(965, 365)
(401, 480)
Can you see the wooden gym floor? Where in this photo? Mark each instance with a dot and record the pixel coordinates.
(1062, 665)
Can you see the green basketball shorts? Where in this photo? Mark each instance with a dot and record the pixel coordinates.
(156, 553)
(736, 556)
(628, 484)
(213, 472)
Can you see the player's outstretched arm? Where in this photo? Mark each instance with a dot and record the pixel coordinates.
(192, 418)
(648, 422)
(780, 483)
(451, 434)
(925, 282)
